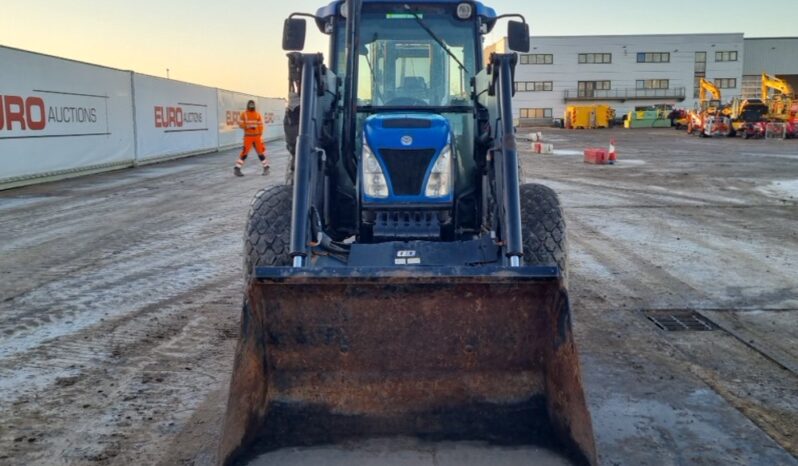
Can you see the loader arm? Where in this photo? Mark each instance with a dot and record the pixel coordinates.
(305, 148)
(503, 68)
(494, 90)
(315, 152)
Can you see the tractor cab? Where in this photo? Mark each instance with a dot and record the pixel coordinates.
(415, 112)
(413, 130)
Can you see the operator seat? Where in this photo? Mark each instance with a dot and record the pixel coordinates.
(413, 87)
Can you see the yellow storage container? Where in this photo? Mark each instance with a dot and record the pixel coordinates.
(589, 116)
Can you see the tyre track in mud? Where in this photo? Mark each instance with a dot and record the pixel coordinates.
(120, 311)
(750, 382)
(673, 238)
(151, 259)
(60, 245)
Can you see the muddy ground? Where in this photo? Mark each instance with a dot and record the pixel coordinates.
(120, 297)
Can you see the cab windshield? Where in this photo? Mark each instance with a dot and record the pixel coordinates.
(422, 56)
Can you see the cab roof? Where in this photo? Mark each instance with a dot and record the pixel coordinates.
(483, 11)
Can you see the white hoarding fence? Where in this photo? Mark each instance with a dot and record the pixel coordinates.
(173, 118)
(61, 117)
(273, 111)
(230, 106)
(58, 116)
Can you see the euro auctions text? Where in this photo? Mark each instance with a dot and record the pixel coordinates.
(32, 114)
(46, 113)
(175, 117)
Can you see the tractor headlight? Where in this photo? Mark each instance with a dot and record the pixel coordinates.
(439, 183)
(374, 183)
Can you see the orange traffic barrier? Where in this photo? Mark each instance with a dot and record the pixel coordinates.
(597, 156)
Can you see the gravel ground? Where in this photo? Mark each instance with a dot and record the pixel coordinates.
(120, 296)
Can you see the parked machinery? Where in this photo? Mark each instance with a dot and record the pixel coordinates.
(792, 122)
(711, 118)
(679, 118)
(652, 116)
(782, 99)
(748, 118)
(782, 104)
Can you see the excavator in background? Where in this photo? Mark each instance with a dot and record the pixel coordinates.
(407, 282)
(711, 118)
(782, 104)
(781, 100)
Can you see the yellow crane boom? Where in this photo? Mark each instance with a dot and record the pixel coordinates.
(771, 82)
(706, 86)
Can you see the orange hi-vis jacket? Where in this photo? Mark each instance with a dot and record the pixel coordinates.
(251, 122)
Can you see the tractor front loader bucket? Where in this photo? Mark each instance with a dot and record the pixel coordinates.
(460, 353)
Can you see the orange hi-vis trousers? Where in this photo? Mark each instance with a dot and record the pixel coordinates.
(260, 148)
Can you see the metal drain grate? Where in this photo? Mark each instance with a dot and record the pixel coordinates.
(680, 321)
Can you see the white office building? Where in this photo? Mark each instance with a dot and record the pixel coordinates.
(627, 71)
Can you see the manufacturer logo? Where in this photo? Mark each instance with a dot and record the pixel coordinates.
(407, 140)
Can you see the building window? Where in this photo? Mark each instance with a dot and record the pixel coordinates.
(537, 59)
(700, 62)
(588, 88)
(535, 113)
(594, 58)
(726, 83)
(697, 87)
(653, 84)
(726, 56)
(653, 57)
(700, 72)
(752, 86)
(534, 86)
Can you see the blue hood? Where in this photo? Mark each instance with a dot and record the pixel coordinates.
(407, 146)
(392, 130)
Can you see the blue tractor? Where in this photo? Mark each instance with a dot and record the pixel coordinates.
(405, 281)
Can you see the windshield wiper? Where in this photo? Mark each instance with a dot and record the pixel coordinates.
(436, 38)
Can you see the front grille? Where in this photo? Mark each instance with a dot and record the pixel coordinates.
(407, 225)
(406, 169)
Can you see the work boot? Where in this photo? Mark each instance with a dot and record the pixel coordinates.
(237, 171)
(265, 170)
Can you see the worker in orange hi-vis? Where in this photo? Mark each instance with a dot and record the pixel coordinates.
(252, 123)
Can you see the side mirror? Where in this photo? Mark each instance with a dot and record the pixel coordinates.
(294, 31)
(518, 36)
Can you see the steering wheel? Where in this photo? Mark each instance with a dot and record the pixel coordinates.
(405, 102)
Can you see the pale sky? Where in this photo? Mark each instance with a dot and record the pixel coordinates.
(235, 44)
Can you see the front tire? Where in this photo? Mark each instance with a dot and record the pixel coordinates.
(544, 227)
(267, 239)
